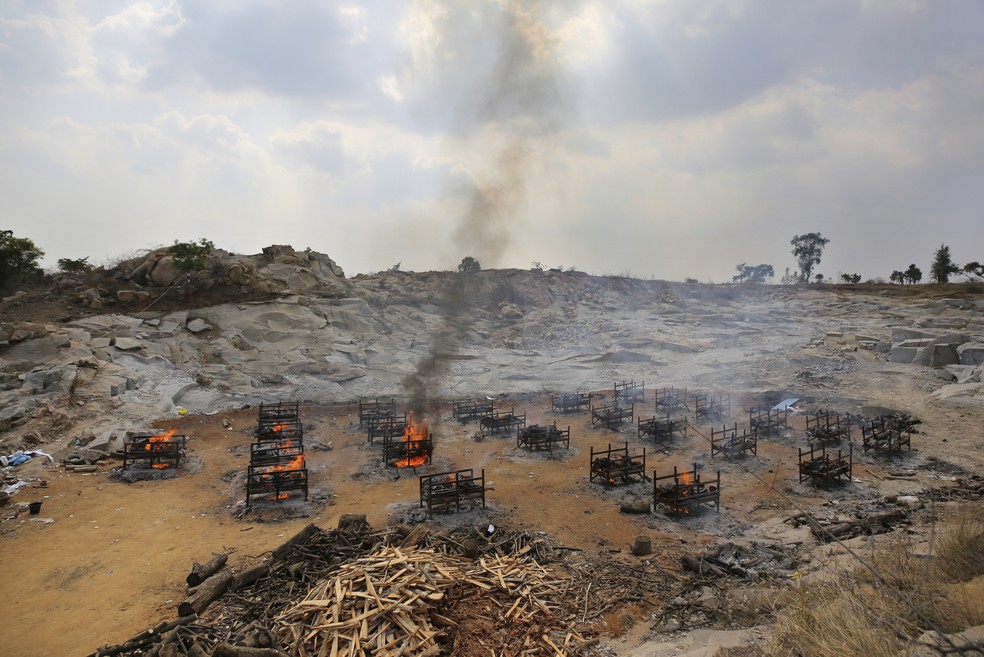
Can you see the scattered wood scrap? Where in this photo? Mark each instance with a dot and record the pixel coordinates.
(412, 601)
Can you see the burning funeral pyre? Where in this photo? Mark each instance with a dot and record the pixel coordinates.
(152, 450)
(682, 492)
(277, 466)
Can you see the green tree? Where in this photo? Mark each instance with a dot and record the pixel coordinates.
(469, 264)
(913, 274)
(851, 279)
(943, 265)
(74, 265)
(808, 248)
(753, 273)
(191, 256)
(973, 269)
(897, 277)
(18, 258)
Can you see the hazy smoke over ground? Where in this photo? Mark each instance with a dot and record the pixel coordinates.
(518, 100)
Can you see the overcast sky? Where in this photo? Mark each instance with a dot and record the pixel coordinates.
(659, 138)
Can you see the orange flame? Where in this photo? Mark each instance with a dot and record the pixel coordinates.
(413, 433)
(160, 438)
(277, 428)
(160, 466)
(296, 463)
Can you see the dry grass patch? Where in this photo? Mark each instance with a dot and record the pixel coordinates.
(854, 614)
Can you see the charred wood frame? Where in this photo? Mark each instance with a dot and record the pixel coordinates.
(826, 427)
(375, 410)
(142, 448)
(732, 444)
(445, 491)
(571, 402)
(386, 428)
(680, 492)
(711, 407)
(275, 481)
(502, 422)
(629, 392)
(820, 467)
(887, 434)
(611, 416)
(465, 410)
(615, 465)
(399, 452)
(672, 400)
(539, 437)
(768, 421)
(662, 428)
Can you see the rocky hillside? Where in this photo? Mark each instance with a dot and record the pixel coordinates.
(118, 348)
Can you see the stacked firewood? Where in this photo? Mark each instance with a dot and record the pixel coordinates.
(408, 600)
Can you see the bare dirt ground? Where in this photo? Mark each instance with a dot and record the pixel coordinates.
(113, 559)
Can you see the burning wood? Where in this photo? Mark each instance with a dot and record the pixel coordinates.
(615, 465)
(157, 451)
(446, 490)
(412, 449)
(682, 492)
(275, 481)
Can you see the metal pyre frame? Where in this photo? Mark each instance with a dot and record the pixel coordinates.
(276, 480)
(682, 492)
(767, 420)
(611, 416)
(887, 434)
(615, 465)
(401, 452)
(630, 392)
(538, 437)
(729, 442)
(820, 467)
(465, 410)
(445, 491)
(502, 422)
(386, 428)
(374, 410)
(166, 452)
(571, 402)
(826, 427)
(672, 400)
(711, 407)
(662, 429)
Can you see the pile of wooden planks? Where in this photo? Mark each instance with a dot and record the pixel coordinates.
(396, 601)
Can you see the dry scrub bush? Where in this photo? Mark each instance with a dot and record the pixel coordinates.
(853, 614)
